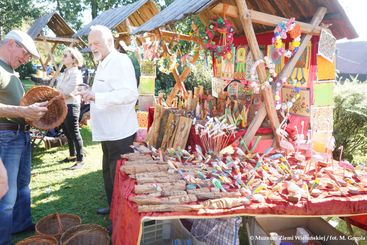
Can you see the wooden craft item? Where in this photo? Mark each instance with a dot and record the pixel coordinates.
(151, 175)
(173, 193)
(204, 195)
(150, 188)
(168, 179)
(133, 169)
(322, 119)
(171, 125)
(182, 133)
(226, 202)
(323, 93)
(167, 208)
(136, 156)
(154, 129)
(162, 128)
(302, 105)
(138, 162)
(144, 200)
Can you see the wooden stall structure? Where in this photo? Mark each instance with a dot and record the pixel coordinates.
(254, 22)
(51, 30)
(122, 19)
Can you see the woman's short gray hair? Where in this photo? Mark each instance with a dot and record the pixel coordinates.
(106, 33)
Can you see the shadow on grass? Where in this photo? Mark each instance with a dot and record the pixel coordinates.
(79, 196)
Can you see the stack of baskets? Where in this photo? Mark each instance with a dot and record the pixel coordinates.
(66, 229)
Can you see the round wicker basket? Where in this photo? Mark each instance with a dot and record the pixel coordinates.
(56, 224)
(38, 240)
(90, 234)
(57, 109)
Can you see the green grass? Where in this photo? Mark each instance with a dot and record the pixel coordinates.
(54, 188)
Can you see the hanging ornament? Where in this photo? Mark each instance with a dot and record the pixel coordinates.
(255, 83)
(223, 28)
(280, 34)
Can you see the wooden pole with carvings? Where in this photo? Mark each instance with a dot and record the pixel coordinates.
(257, 55)
(286, 71)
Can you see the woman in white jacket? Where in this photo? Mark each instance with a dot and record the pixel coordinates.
(68, 86)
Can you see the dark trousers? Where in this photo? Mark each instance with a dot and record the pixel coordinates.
(71, 130)
(111, 153)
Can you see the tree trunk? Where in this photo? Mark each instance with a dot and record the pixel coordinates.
(94, 7)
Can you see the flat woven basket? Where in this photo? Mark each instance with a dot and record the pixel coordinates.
(56, 224)
(90, 234)
(38, 240)
(57, 109)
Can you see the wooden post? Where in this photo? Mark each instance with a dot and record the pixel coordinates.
(51, 53)
(256, 53)
(286, 71)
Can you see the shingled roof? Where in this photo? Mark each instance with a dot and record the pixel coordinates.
(137, 13)
(340, 24)
(64, 33)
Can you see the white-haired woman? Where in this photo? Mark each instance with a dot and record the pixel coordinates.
(72, 59)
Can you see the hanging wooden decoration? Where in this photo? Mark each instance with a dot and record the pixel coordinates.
(218, 85)
(223, 28)
(218, 67)
(327, 45)
(322, 118)
(296, 100)
(240, 71)
(228, 64)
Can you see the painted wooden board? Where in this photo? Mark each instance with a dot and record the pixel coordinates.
(302, 105)
(323, 93)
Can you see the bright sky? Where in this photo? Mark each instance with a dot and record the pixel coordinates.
(356, 12)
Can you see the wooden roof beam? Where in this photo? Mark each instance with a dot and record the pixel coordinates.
(58, 39)
(264, 19)
(170, 34)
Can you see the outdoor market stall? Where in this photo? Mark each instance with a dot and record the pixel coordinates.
(52, 29)
(290, 72)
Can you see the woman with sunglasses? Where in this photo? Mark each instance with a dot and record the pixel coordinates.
(72, 59)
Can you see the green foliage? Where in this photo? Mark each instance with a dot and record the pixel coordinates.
(25, 70)
(12, 10)
(200, 75)
(350, 120)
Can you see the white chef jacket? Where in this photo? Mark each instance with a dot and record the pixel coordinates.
(113, 115)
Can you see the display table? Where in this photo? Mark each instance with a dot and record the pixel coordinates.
(127, 222)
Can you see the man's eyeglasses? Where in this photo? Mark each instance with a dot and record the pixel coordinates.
(25, 52)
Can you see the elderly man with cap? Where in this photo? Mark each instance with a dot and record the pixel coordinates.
(17, 48)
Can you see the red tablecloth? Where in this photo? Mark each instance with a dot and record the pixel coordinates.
(127, 222)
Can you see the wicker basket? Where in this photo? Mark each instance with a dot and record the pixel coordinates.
(90, 234)
(55, 224)
(38, 240)
(57, 109)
